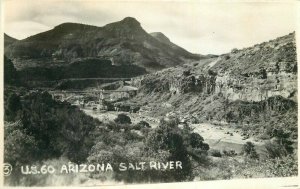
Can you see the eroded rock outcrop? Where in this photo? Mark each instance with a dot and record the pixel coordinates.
(252, 74)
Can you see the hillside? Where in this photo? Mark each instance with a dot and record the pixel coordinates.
(8, 40)
(269, 66)
(231, 116)
(255, 85)
(123, 43)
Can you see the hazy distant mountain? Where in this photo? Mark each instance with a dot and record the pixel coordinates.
(8, 40)
(124, 43)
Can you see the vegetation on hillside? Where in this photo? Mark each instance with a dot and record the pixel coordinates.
(86, 68)
(11, 76)
(124, 41)
(40, 130)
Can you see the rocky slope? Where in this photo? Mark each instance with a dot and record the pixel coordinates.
(255, 85)
(123, 43)
(251, 74)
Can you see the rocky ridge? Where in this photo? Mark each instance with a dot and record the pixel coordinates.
(255, 87)
(252, 74)
(123, 43)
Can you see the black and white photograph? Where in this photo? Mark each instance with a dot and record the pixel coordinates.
(120, 93)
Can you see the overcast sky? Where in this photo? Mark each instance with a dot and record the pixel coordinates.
(205, 28)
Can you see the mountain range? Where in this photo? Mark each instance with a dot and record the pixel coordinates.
(123, 43)
(253, 88)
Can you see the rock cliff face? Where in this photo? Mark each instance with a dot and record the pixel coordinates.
(253, 74)
(255, 87)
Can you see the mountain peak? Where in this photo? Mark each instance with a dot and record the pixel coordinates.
(124, 42)
(130, 20)
(127, 22)
(160, 37)
(129, 27)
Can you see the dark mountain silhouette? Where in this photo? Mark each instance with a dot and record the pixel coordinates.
(123, 43)
(8, 40)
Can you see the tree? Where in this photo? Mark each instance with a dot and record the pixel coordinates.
(226, 57)
(179, 145)
(142, 124)
(19, 147)
(167, 140)
(13, 105)
(10, 73)
(187, 72)
(197, 141)
(123, 119)
(281, 145)
(234, 50)
(57, 128)
(212, 73)
(249, 150)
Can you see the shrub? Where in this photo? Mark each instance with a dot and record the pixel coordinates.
(234, 50)
(166, 138)
(249, 150)
(55, 128)
(140, 125)
(12, 107)
(123, 119)
(226, 57)
(194, 120)
(281, 144)
(186, 72)
(177, 144)
(19, 147)
(229, 153)
(113, 126)
(212, 73)
(275, 150)
(11, 75)
(197, 141)
(285, 167)
(215, 153)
